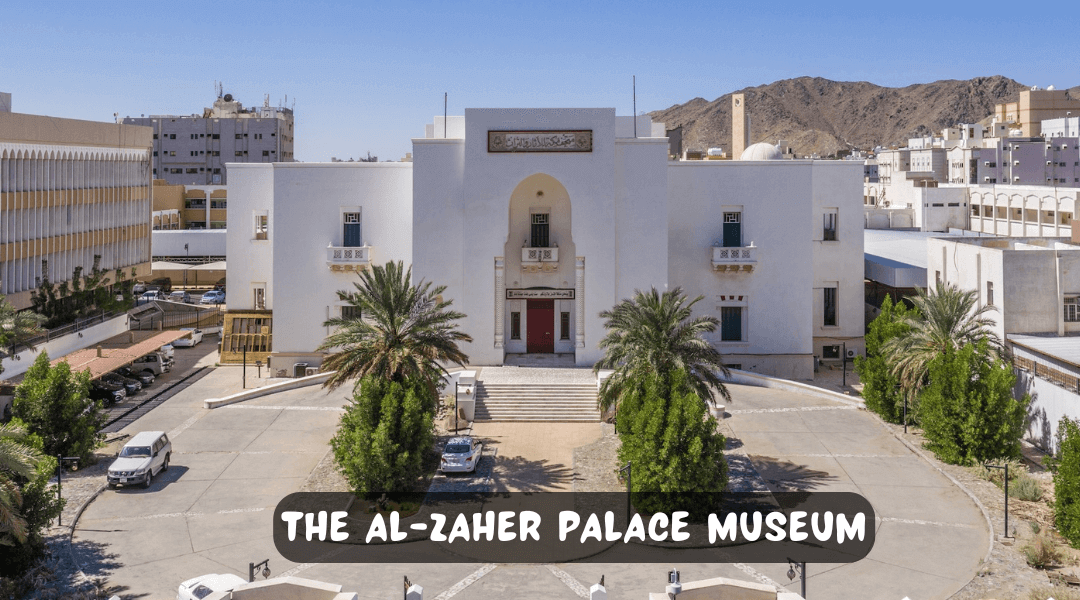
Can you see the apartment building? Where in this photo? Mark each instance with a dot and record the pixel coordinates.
(1034, 106)
(193, 149)
(72, 194)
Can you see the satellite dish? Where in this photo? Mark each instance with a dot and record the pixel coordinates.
(228, 97)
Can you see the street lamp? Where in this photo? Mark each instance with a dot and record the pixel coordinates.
(629, 480)
(254, 568)
(60, 460)
(796, 568)
(1006, 468)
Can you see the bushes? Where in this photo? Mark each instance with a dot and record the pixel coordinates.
(385, 435)
(881, 389)
(1067, 482)
(55, 405)
(673, 447)
(967, 411)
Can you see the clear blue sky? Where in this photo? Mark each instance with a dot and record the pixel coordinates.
(367, 76)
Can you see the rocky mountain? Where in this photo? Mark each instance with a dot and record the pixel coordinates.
(817, 115)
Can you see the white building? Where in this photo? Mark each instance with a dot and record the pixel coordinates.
(538, 219)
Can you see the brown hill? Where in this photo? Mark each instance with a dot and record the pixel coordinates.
(821, 116)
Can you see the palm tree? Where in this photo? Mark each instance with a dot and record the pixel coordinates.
(17, 327)
(654, 332)
(947, 318)
(17, 459)
(398, 330)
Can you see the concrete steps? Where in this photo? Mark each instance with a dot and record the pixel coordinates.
(538, 402)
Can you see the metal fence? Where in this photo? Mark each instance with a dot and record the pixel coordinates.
(197, 317)
(49, 335)
(1055, 376)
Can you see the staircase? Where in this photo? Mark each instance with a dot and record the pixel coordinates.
(538, 402)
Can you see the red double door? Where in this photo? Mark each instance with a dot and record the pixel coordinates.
(540, 327)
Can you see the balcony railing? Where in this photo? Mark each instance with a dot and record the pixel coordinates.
(347, 258)
(533, 255)
(734, 259)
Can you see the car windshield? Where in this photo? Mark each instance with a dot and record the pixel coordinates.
(457, 449)
(135, 451)
(201, 592)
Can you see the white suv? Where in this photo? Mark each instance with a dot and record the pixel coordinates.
(141, 458)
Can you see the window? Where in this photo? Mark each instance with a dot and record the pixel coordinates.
(989, 293)
(937, 277)
(731, 323)
(155, 152)
(218, 225)
(830, 307)
(155, 136)
(239, 137)
(1072, 309)
(192, 171)
(222, 203)
(540, 230)
(260, 298)
(238, 153)
(215, 136)
(515, 326)
(732, 230)
(352, 234)
(172, 136)
(830, 352)
(564, 326)
(261, 226)
(266, 153)
(350, 312)
(172, 152)
(215, 153)
(829, 229)
(217, 171)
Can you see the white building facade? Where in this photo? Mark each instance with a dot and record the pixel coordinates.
(537, 220)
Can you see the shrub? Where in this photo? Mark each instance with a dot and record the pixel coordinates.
(55, 404)
(1025, 488)
(1067, 483)
(39, 508)
(385, 434)
(673, 446)
(967, 412)
(1041, 552)
(881, 389)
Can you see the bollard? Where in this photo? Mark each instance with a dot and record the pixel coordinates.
(597, 592)
(415, 592)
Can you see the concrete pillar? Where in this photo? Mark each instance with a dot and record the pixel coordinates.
(500, 299)
(579, 295)
(415, 592)
(597, 592)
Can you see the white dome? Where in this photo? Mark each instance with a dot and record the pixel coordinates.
(761, 151)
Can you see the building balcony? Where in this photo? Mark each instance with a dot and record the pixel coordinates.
(537, 255)
(348, 258)
(734, 259)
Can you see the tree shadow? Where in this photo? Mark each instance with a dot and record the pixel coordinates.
(785, 476)
(518, 474)
(97, 563)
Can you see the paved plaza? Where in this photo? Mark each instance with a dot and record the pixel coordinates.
(211, 513)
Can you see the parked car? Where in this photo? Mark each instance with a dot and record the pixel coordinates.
(138, 288)
(180, 296)
(188, 341)
(200, 587)
(154, 362)
(131, 385)
(461, 454)
(150, 296)
(140, 459)
(144, 377)
(213, 297)
(109, 393)
(162, 283)
(167, 351)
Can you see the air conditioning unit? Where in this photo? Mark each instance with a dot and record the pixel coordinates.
(852, 353)
(309, 371)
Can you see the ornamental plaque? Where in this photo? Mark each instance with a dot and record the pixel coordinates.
(526, 294)
(540, 141)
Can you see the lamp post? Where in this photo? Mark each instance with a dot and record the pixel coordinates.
(245, 366)
(187, 254)
(254, 567)
(629, 481)
(60, 460)
(457, 384)
(844, 350)
(1006, 468)
(796, 568)
(258, 366)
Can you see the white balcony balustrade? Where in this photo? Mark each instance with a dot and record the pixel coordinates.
(734, 258)
(348, 258)
(534, 255)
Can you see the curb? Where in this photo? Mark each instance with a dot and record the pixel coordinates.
(71, 531)
(266, 390)
(759, 380)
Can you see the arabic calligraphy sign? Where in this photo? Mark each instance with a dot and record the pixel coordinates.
(540, 141)
(540, 294)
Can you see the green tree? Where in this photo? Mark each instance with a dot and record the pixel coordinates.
(17, 460)
(54, 403)
(24, 479)
(945, 318)
(1067, 481)
(673, 444)
(881, 387)
(385, 435)
(967, 411)
(398, 331)
(656, 333)
(16, 327)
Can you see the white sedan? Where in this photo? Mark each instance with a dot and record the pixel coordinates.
(461, 454)
(188, 341)
(201, 587)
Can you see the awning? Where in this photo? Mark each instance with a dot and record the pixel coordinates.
(113, 357)
(214, 266)
(162, 265)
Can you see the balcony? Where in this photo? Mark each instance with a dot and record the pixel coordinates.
(539, 260)
(347, 258)
(734, 259)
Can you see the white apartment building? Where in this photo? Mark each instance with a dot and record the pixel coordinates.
(72, 194)
(538, 219)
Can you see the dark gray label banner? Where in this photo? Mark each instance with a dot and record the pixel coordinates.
(557, 527)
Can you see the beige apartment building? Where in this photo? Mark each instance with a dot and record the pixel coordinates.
(1033, 106)
(72, 192)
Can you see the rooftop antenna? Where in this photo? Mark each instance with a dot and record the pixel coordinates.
(635, 106)
(445, 99)
(219, 88)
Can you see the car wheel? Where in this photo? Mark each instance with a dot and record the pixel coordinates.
(112, 486)
(149, 478)
(165, 465)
